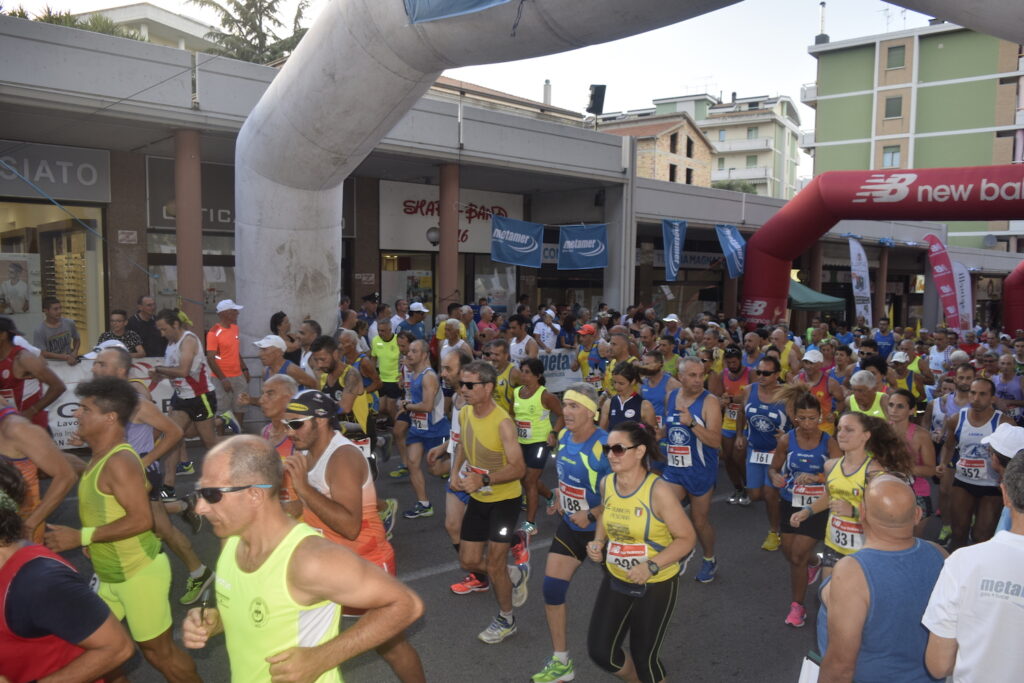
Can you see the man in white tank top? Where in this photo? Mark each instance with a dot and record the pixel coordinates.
(520, 345)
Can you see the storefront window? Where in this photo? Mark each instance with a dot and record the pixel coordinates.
(495, 282)
(218, 271)
(409, 277)
(45, 252)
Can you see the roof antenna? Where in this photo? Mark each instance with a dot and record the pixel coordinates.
(822, 37)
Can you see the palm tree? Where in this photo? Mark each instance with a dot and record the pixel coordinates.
(97, 23)
(250, 30)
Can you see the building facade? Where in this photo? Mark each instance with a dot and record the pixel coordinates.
(669, 147)
(929, 97)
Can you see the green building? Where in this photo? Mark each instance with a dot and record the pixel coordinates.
(928, 97)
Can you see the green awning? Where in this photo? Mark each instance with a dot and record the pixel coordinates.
(803, 298)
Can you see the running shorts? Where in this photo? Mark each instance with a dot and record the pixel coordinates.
(142, 599)
(494, 522)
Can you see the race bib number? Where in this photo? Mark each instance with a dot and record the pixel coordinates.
(595, 380)
(625, 556)
(846, 534)
(679, 456)
(732, 411)
(420, 421)
(972, 468)
(467, 468)
(573, 498)
(761, 457)
(806, 494)
(523, 429)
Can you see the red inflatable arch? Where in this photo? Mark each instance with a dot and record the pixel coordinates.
(938, 194)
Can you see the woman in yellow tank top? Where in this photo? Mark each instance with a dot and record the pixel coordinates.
(869, 445)
(647, 534)
(865, 399)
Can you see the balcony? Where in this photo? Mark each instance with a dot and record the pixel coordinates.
(807, 139)
(809, 93)
(744, 145)
(755, 175)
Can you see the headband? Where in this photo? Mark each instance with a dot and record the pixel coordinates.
(583, 400)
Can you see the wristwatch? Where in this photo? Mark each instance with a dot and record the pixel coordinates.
(486, 478)
(591, 517)
(653, 567)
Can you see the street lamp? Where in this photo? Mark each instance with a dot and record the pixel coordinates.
(434, 235)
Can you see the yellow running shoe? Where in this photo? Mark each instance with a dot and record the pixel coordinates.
(772, 541)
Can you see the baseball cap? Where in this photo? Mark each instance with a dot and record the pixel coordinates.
(271, 340)
(814, 356)
(587, 329)
(103, 346)
(227, 305)
(551, 312)
(900, 357)
(1006, 440)
(417, 307)
(671, 318)
(604, 314)
(7, 325)
(315, 403)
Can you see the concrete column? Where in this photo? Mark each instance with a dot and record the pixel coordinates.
(448, 250)
(814, 267)
(188, 204)
(731, 294)
(880, 283)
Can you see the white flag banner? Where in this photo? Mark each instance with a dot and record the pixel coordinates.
(860, 279)
(964, 298)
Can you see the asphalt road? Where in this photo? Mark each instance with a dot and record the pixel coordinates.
(731, 629)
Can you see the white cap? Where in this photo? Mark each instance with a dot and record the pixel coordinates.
(227, 305)
(814, 356)
(671, 318)
(271, 340)
(1006, 440)
(103, 346)
(900, 357)
(551, 313)
(417, 307)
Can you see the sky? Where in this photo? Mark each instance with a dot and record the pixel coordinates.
(755, 47)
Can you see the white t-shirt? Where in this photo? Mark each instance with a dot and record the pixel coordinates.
(396, 320)
(547, 334)
(937, 358)
(979, 601)
(15, 294)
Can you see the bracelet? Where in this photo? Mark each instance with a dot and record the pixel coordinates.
(591, 517)
(87, 532)
(7, 411)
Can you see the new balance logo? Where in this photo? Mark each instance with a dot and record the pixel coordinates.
(884, 188)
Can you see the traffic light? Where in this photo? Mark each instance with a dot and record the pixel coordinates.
(596, 104)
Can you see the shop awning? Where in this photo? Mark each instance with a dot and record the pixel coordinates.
(803, 298)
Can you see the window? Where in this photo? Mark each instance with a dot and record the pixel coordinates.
(672, 171)
(752, 133)
(751, 161)
(689, 147)
(673, 143)
(891, 157)
(895, 57)
(721, 163)
(721, 136)
(893, 107)
(689, 176)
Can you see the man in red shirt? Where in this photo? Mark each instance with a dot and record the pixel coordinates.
(225, 359)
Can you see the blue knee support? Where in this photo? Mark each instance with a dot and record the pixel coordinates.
(555, 590)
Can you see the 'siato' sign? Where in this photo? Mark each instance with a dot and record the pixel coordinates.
(65, 173)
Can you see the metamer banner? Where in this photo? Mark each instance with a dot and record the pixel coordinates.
(674, 234)
(516, 242)
(861, 281)
(964, 299)
(582, 246)
(733, 248)
(942, 273)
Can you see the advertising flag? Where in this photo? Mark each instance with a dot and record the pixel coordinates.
(964, 299)
(861, 281)
(674, 234)
(942, 274)
(516, 242)
(733, 247)
(582, 246)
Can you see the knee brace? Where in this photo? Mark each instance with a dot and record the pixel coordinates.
(555, 590)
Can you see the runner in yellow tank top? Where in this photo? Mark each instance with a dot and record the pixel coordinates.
(279, 585)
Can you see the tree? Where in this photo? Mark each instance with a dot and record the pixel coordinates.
(97, 23)
(735, 186)
(250, 30)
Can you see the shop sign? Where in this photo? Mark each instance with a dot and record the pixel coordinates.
(408, 210)
(64, 173)
(217, 187)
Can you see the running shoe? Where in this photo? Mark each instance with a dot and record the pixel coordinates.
(400, 473)
(419, 510)
(708, 571)
(498, 631)
(194, 587)
(470, 584)
(167, 494)
(743, 500)
(187, 467)
(529, 527)
(813, 573)
(194, 520)
(797, 615)
(230, 423)
(555, 672)
(551, 501)
(734, 499)
(519, 576)
(772, 541)
(945, 533)
(389, 515)
(521, 550)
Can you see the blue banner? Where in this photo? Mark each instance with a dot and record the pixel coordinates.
(582, 246)
(733, 247)
(516, 242)
(420, 11)
(674, 234)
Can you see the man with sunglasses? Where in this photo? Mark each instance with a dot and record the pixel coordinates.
(281, 585)
(334, 481)
(134, 576)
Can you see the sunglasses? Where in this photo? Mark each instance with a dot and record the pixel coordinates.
(617, 449)
(766, 373)
(296, 424)
(214, 494)
(470, 385)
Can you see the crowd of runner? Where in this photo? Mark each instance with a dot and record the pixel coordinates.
(853, 438)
